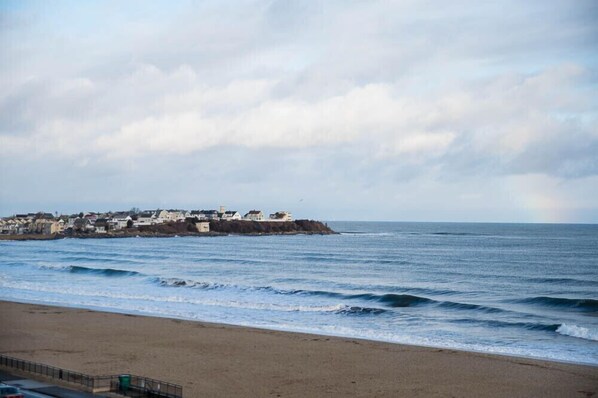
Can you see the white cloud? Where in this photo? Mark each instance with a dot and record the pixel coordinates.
(376, 91)
(176, 112)
(433, 144)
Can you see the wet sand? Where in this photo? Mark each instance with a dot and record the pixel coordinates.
(213, 360)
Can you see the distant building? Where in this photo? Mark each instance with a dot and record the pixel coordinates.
(70, 222)
(101, 225)
(230, 215)
(82, 225)
(60, 225)
(209, 214)
(254, 215)
(47, 223)
(161, 216)
(203, 226)
(25, 217)
(14, 226)
(196, 214)
(120, 220)
(44, 226)
(6, 226)
(91, 217)
(145, 218)
(281, 216)
(175, 215)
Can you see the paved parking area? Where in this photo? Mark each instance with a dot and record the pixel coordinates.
(35, 389)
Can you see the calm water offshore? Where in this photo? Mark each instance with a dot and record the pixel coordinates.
(520, 289)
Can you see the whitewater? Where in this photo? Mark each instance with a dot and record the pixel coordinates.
(515, 289)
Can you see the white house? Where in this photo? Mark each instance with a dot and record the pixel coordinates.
(145, 218)
(61, 225)
(22, 227)
(209, 214)
(120, 220)
(160, 216)
(230, 215)
(82, 225)
(7, 226)
(196, 214)
(101, 226)
(254, 215)
(281, 216)
(175, 215)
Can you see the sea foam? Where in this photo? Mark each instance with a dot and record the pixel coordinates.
(578, 331)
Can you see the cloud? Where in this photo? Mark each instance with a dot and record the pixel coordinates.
(349, 93)
(518, 123)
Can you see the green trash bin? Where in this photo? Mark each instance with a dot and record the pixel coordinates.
(124, 382)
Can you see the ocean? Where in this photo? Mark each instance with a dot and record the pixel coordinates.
(518, 289)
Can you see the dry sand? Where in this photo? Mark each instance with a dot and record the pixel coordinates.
(212, 360)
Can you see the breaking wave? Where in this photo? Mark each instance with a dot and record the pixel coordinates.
(356, 310)
(578, 331)
(391, 300)
(176, 282)
(77, 269)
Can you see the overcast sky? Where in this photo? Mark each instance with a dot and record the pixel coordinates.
(365, 110)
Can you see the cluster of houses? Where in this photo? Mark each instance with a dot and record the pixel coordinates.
(47, 223)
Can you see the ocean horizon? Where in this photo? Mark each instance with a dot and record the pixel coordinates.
(515, 289)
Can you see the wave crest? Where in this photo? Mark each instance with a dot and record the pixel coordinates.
(589, 305)
(78, 269)
(392, 300)
(176, 282)
(578, 331)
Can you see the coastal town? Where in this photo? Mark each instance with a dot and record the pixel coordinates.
(43, 223)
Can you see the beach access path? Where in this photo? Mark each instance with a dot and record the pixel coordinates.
(216, 360)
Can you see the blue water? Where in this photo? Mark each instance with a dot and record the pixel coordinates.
(519, 289)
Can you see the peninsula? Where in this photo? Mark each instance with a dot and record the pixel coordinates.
(154, 223)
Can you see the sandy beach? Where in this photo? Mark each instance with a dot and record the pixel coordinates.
(212, 360)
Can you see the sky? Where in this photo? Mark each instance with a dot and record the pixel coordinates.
(472, 111)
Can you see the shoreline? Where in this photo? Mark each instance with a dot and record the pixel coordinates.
(212, 359)
(283, 330)
(152, 235)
